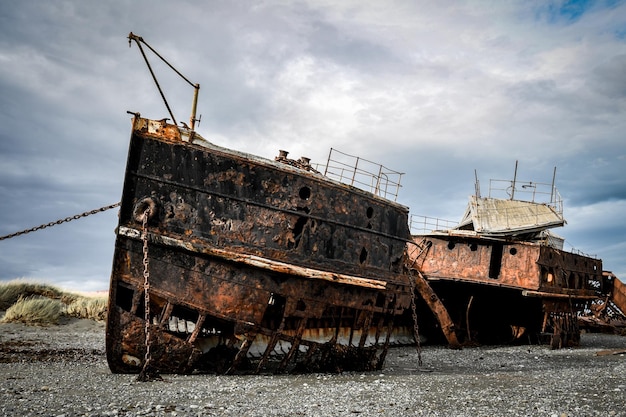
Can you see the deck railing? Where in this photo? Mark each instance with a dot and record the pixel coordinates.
(533, 192)
(419, 224)
(361, 173)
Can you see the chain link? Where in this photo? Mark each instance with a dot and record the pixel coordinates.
(61, 221)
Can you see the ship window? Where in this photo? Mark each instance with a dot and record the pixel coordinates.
(363, 256)
(182, 320)
(513, 251)
(451, 245)
(473, 247)
(274, 311)
(300, 305)
(124, 297)
(381, 300)
(305, 193)
(297, 230)
(369, 212)
(496, 261)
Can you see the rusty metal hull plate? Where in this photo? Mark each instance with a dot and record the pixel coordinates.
(515, 265)
(499, 291)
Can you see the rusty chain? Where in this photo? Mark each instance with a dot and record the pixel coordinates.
(146, 284)
(61, 221)
(146, 374)
(416, 332)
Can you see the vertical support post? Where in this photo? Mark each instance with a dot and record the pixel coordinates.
(356, 167)
(552, 189)
(476, 184)
(328, 161)
(514, 180)
(192, 119)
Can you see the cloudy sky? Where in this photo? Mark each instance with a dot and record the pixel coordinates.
(433, 89)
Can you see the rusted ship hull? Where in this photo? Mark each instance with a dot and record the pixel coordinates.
(500, 291)
(249, 265)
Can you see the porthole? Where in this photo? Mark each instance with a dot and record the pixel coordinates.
(513, 251)
(451, 245)
(305, 193)
(369, 212)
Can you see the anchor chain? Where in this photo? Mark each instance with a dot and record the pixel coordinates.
(147, 373)
(60, 221)
(416, 331)
(418, 346)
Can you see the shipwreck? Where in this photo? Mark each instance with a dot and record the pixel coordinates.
(503, 275)
(227, 262)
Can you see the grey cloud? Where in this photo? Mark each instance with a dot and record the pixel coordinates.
(609, 79)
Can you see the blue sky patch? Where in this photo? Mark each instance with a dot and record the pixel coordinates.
(570, 11)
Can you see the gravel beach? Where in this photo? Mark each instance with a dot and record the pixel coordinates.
(62, 371)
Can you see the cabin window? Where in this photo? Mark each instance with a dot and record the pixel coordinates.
(513, 251)
(495, 263)
(451, 245)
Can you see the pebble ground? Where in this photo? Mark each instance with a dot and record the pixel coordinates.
(62, 371)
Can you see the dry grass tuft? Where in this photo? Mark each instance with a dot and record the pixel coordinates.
(94, 308)
(43, 304)
(34, 310)
(11, 292)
